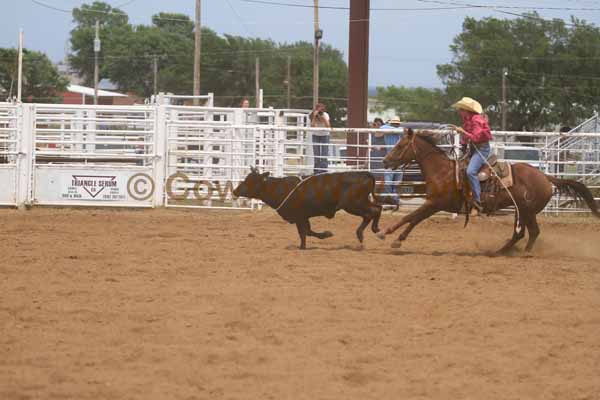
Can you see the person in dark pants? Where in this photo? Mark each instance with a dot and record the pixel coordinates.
(377, 151)
(392, 178)
(320, 119)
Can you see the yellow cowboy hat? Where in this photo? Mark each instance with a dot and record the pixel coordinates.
(468, 104)
(395, 120)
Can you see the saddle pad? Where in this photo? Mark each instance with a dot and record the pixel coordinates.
(502, 169)
(504, 172)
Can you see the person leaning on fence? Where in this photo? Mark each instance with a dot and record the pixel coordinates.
(392, 178)
(320, 119)
(475, 133)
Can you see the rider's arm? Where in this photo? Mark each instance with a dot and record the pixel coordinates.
(478, 131)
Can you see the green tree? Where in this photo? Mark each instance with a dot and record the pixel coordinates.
(552, 68)
(41, 80)
(227, 68)
(114, 29)
(416, 104)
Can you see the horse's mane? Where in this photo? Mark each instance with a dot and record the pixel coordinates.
(431, 138)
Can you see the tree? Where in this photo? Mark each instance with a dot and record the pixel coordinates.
(416, 104)
(114, 28)
(552, 69)
(41, 80)
(227, 67)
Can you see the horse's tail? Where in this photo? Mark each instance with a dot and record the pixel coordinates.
(576, 190)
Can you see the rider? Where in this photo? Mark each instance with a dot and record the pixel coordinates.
(475, 132)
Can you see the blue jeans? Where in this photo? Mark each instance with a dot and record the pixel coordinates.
(477, 161)
(320, 153)
(391, 177)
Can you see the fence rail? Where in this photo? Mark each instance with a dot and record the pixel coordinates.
(182, 156)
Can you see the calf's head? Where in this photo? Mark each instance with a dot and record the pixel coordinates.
(253, 185)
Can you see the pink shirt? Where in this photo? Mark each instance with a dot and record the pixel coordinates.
(477, 129)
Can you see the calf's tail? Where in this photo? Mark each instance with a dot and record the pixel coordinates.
(576, 190)
(372, 186)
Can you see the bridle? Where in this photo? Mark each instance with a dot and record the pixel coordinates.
(414, 149)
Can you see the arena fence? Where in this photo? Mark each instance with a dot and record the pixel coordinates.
(180, 156)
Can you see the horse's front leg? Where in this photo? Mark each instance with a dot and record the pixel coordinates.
(413, 219)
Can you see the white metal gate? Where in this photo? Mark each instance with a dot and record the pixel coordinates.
(102, 155)
(207, 156)
(9, 153)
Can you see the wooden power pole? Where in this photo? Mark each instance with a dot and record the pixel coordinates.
(358, 74)
(504, 102)
(318, 36)
(257, 81)
(19, 68)
(155, 71)
(289, 81)
(197, 48)
(96, 69)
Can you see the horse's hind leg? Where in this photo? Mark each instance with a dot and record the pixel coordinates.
(515, 238)
(534, 232)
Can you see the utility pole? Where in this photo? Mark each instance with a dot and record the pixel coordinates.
(257, 81)
(197, 42)
(358, 76)
(155, 68)
(318, 37)
(20, 67)
(504, 103)
(96, 51)
(289, 80)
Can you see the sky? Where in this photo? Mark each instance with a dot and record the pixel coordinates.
(405, 45)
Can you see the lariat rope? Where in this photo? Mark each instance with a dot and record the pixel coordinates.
(518, 226)
(294, 189)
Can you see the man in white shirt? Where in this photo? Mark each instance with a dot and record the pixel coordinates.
(320, 119)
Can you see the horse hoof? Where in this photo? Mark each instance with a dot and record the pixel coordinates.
(380, 235)
(396, 244)
(327, 234)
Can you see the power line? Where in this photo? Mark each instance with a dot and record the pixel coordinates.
(446, 6)
(118, 13)
(275, 3)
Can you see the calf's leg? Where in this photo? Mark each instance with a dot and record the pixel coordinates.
(318, 235)
(303, 227)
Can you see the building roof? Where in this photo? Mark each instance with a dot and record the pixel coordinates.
(90, 91)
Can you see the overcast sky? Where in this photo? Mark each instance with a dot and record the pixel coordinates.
(405, 46)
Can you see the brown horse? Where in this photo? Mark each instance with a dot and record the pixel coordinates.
(531, 189)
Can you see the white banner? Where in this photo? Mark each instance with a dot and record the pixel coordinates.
(103, 186)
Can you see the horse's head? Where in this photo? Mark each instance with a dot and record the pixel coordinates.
(403, 152)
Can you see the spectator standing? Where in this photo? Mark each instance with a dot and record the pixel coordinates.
(320, 119)
(377, 150)
(392, 178)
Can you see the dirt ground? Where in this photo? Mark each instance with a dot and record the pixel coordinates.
(173, 304)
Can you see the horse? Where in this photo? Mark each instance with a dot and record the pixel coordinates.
(530, 192)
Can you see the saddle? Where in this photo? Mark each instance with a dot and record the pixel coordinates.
(499, 169)
(492, 179)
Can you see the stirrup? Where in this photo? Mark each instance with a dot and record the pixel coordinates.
(477, 205)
